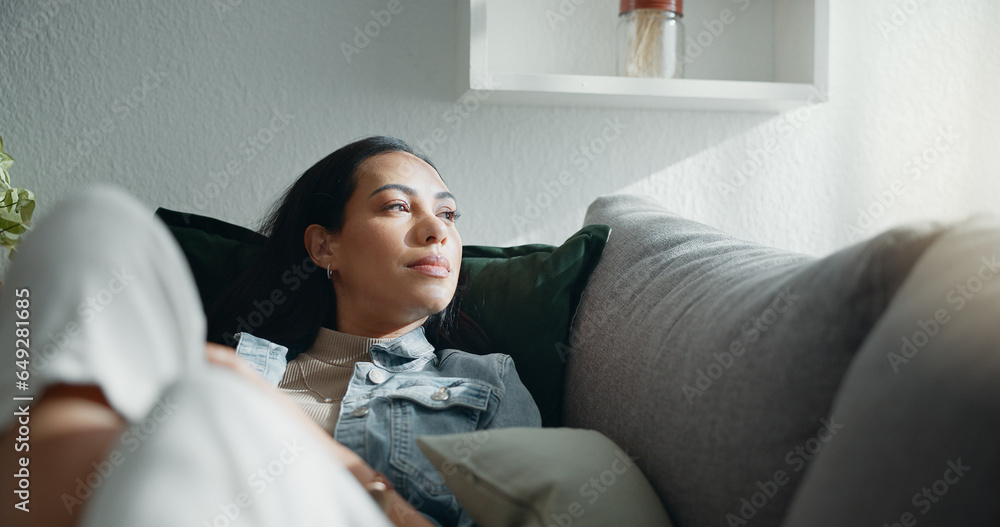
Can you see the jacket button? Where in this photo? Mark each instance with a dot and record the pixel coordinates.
(360, 411)
(376, 375)
(440, 395)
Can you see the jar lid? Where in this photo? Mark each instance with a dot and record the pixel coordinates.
(676, 6)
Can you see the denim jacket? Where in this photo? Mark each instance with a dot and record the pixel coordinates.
(410, 389)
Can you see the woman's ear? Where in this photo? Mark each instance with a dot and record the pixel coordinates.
(321, 245)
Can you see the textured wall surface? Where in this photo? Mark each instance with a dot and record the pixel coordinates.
(215, 106)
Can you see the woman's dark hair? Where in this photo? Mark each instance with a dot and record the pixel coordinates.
(285, 297)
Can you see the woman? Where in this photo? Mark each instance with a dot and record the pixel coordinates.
(127, 418)
(352, 344)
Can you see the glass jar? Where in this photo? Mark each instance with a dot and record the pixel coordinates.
(651, 39)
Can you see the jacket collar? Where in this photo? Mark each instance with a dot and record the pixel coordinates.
(411, 351)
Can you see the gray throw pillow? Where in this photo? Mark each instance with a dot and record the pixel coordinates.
(715, 360)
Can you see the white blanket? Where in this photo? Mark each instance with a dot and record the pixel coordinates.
(112, 303)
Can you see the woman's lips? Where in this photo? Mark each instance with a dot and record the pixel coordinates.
(434, 265)
(434, 271)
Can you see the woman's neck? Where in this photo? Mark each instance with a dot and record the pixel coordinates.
(376, 331)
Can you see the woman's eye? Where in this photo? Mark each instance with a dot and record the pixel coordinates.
(401, 206)
(452, 215)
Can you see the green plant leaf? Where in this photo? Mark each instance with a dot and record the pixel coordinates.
(26, 205)
(16, 206)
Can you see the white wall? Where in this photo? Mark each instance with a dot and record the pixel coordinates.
(160, 97)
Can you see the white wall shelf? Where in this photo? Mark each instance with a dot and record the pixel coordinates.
(772, 57)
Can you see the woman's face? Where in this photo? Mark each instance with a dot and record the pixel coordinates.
(400, 212)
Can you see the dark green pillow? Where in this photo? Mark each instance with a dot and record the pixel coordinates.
(218, 252)
(524, 297)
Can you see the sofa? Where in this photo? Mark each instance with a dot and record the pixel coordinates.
(750, 385)
(756, 386)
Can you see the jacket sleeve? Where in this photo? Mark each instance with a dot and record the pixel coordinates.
(516, 407)
(266, 357)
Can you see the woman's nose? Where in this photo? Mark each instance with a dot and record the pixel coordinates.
(432, 229)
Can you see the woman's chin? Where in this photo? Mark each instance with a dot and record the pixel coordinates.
(428, 299)
(436, 293)
(436, 307)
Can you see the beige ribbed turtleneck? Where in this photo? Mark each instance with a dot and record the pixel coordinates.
(327, 367)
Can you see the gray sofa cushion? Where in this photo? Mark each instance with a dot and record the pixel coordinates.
(920, 401)
(714, 360)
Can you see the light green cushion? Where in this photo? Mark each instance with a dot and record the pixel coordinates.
(540, 477)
